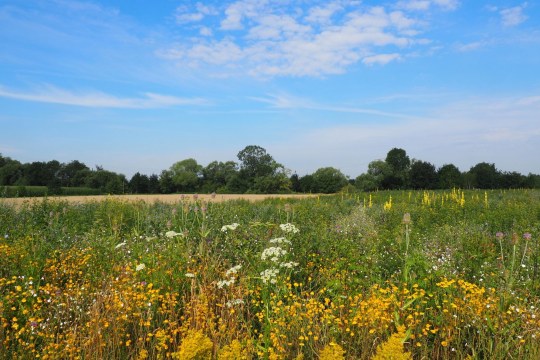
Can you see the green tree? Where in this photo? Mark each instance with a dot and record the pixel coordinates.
(255, 162)
(11, 172)
(186, 175)
(106, 181)
(400, 164)
(295, 183)
(328, 180)
(449, 177)
(217, 175)
(153, 184)
(378, 170)
(166, 183)
(70, 173)
(139, 184)
(259, 172)
(306, 183)
(423, 175)
(366, 182)
(512, 180)
(484, 176)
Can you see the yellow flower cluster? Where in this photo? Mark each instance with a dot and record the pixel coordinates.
(392, 349)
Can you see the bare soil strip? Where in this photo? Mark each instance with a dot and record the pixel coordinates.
(169, 198)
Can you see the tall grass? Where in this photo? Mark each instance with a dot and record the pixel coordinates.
(345, 276)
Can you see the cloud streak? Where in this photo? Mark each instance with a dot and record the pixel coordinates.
(54, 95)
(284, 102)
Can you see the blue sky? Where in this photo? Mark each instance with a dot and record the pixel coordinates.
(134, 85)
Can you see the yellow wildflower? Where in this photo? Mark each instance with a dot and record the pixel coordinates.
(233, 351)
(195, 346)
(332, 351)
(392, 349)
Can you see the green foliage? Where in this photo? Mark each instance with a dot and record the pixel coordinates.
(185, 175)
(328, 180)
(449, 177)
(459, 278)
(423, 175)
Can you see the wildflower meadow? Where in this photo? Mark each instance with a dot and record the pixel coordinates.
(383, 275)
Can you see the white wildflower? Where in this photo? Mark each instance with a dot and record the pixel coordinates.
(232, 226)
(222, 283)
(289, 265)
(289, 228)
(273, 253)
(269, 275)
(189, 275)
(279, 240)
(171, 234)
(140, 267)
(120, 245)
(233, 270)
(234, 302)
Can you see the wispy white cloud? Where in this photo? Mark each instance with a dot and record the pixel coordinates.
(291, 102)
(513, 16)
(262, 38)
(55, 95)
(475, 45)
(184, 14)
(381, 59)
(422, 5)
(240, 10)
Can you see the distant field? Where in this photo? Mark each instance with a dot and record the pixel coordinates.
(169, 198)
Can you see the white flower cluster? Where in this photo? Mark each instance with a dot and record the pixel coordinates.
(189, 275)
(222, 283)
(232, 227)
(171, 234)
(269, 275)
(289, 228)
(289, 265)
(140, 267)
(232, 279)
(273, 253)
(234, 302)
(279, 240)
(233, 270)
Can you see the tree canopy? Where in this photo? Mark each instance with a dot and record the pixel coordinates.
(258, 172)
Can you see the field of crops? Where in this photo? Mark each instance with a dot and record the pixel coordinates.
(386, 275)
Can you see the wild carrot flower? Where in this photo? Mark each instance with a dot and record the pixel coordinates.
(171, 234)
(279, 240)
(232, 227)
(234, 302)
(289, 228)
(273, 253)
(140, 267)
(269, 275)
(233, 270)
(222, 283)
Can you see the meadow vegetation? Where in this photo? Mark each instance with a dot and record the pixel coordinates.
(382, 275)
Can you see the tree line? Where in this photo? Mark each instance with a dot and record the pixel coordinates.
(257, 172)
